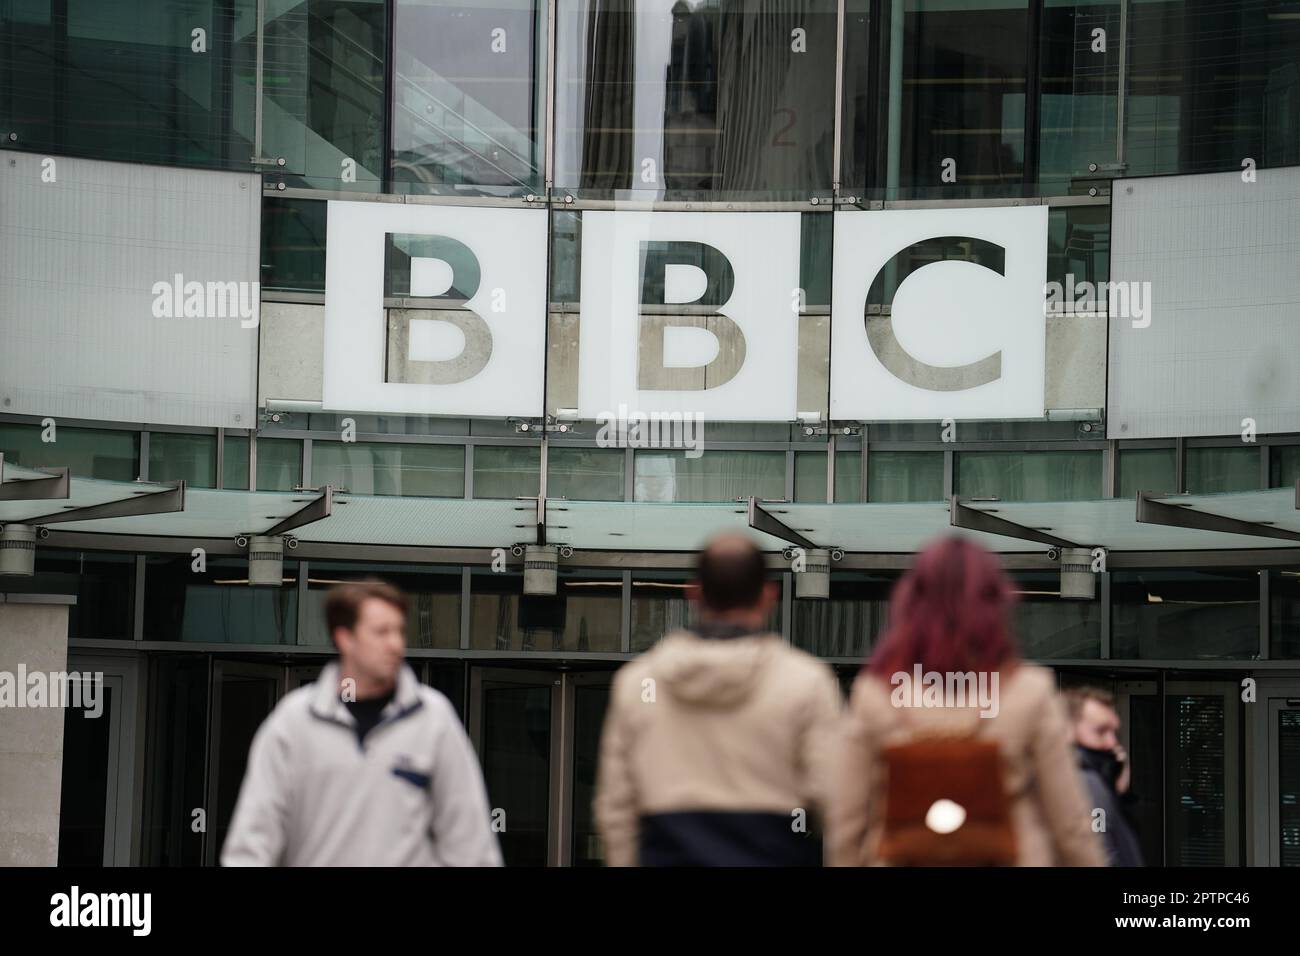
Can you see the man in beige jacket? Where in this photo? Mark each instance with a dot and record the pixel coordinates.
(716, 744)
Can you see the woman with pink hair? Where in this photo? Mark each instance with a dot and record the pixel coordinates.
(953, 751)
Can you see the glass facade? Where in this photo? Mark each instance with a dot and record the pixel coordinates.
(730, 104)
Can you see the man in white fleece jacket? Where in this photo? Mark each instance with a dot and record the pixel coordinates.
(365, 767)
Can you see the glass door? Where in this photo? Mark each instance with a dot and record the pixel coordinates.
(243, 694)
(1276, 743)
(514, 723)
(589, 693)
(1202, 773)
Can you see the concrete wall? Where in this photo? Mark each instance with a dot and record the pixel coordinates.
(34, 635)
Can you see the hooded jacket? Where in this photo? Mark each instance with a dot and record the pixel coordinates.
(410, 794)
(1049, 815)
(714, 752)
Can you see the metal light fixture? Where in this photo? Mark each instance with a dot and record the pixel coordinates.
(814, 581)
(541, 569)
(18, 550)
(265, 560)
(1078, 583)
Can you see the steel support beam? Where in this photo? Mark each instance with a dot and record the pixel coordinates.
(314, 510)
(56, 486)
(976, 519)
(140, 503)
(1151, 511)
(767, 523)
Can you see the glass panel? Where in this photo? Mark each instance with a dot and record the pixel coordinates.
(585, 614)
(217, 606)
(659, 605)
(323, 99)
(1080, 91)
(448, 677)
(372, 468)
(89, 452)
(664, 99)
(506, 472)
(810, 476)
(953, 100)
(1211, 84)
(279, 464)
(584, 474)
(246, 701)
(589, 706)
(1283, 466)
(1146, 747)
(104, 585)
(234, 465)
(469, 99)
(1078, 246)
(1146, 469)
(293, 244)
(1284, 612)
(84, 784)
(433, 592)
(848, 624)
(1196, 801)
(905, 475)
(126, 80)
(175, 457)
(390, 424)
(1222, 469)
(1049, 627)
(1185, 615)
(1030, 476)
(1288, 787)
(177, 753)
(517, 766)
(715, 476)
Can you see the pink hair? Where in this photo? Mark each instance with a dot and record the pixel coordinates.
(949, 613)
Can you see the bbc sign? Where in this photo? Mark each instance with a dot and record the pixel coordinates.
(442, 310)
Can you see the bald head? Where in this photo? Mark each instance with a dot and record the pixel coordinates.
(731, 574)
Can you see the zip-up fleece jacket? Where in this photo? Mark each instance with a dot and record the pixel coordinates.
(411, 794)
(715, 753)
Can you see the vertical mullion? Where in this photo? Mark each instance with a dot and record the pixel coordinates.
(625, 617)
(1033, 95)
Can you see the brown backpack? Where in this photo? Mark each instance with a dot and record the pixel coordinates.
(946, 804)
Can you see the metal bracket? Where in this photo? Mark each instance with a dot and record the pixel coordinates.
(169, 501)
(315, 510)
(56, 486)
(976, 519)
(1151, 511)
(766, 522)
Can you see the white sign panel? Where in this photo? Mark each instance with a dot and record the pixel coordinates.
(479, 273)
(689, 312)
(938, 313)
(128, 292)
(1204, 302)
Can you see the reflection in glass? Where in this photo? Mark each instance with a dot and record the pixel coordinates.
(585, 474)
(905, 475)
(89, 452)
(433, 592)
(848, 624)
(517, 766)
(502, 471)
(177, 457)
(84, 783)
(710, 99)
(374, 468)
(1048, 627)
(1184, 615)
(217, 606)
(279, 464)
(1284, 611)
(1195, 779)
(1030, 476)
(584, 615)
(589, 706)
(1146, 469)
(1212, 470)
(176, 744)
(104, 585)
(468, 103)
(715, 476)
